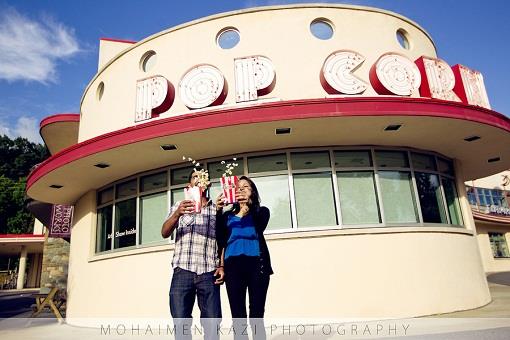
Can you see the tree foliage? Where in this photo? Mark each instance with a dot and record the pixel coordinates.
(17, 157)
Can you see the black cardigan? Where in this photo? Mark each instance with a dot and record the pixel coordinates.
(260, 219)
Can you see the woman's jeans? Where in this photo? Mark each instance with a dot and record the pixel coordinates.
(183, 289)
(242, 273)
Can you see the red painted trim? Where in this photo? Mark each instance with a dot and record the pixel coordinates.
(490, 218)
(119, 40)
(21, 236)
(59, 118)
(268, 112)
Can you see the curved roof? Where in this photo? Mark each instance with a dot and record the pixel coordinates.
(60, 131)
(427, 124)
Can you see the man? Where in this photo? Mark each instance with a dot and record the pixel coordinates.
(196, 268)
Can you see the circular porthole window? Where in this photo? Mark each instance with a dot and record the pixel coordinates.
(228, 38)
(403, 39)
(321, 29)
(148, 61)
(100, 91)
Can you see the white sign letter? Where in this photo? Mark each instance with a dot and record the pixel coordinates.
(202, 86)
(395, 74)
(154, 95)
(437, 77)
(337, 73)
(255, 76)
(469, 86)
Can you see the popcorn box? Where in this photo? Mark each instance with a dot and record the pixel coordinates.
(194, 194)
(229, 185)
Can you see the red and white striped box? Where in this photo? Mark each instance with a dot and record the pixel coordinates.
(194, 194)
(229, 185)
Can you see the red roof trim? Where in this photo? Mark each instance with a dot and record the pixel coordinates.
(21, 236)
(491, 218)
(267, 112)
(119, 40)
(59, 118)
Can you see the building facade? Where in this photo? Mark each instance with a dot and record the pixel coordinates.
(358, 136)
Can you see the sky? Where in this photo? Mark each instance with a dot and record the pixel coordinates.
(49, 48)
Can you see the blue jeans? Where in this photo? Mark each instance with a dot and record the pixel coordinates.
(183, 289)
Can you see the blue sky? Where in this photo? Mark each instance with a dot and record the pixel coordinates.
(48, 49)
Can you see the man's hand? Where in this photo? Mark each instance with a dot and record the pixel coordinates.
(220, 274)
(186, 207)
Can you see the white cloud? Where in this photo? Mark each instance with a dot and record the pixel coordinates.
(26, 127)
(29, 50)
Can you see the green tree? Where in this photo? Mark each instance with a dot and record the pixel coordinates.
(17, 157)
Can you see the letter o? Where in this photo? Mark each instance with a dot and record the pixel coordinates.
(203, 86)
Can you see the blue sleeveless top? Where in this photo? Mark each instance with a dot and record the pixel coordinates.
(243, 236)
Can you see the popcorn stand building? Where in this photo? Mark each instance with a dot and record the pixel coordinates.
(358, 136)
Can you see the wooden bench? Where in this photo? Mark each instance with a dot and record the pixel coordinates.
(49, 297)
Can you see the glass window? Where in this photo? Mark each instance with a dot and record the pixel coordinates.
(452, 201)
(214, 190)
(228, 38)
(125, 223)
(180, 175)
(431, 198)
(216, 169)
(402, 38)
(148, 61)
(499, 245)
(398, 197)
(310, 160)
(176, 195)
(154, 181)
(105, 196)
(315, 206)
(391, 159)
(321, 29)
(104, 229)
(497, 197)
(358, 198)
(423, 162)
(274, 194)
(153, 211)
(267, 163)
(445, 166)
(471, 195)
(353, 159)
(488, 197)
(126, 189)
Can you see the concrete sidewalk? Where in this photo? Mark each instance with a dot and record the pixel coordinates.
(488, 322)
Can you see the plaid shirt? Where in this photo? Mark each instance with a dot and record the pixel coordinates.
(196, 248)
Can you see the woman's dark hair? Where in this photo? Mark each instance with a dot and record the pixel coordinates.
(254, 203)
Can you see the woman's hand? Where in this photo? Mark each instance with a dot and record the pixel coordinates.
(220, 202)
(241, 197)
(220, 274)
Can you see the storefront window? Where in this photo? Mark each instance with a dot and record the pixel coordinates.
(358, 198)
(397, 196)
(499, 245)
(153, 211)
(452, 201)
(392, 159)
(304, 190)
(104, 228)
(315, 205)
(125, 223)
(274, 193)
(431, 198)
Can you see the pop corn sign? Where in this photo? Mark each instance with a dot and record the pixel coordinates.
(392, 74)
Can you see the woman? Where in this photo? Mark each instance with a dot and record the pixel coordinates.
(244, 254)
